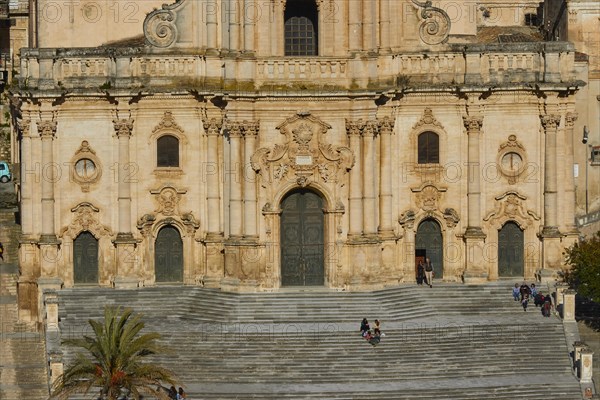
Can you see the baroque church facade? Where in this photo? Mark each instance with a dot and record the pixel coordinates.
(256, 146)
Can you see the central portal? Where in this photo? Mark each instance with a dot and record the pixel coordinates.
(302, 244)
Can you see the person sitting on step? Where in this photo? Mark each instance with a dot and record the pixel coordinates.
(364, 327)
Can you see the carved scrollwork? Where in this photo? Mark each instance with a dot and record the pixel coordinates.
(85, 218)
(303, 155)
(511, 206)
(451, 216)
(435, 27)
(159, 26)
(407, 219)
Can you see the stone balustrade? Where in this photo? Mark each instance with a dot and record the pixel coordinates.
(521, 64)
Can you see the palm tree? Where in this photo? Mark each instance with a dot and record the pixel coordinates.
(115, 368)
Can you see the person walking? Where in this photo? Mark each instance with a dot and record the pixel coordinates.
(429, 272)
(420, 273)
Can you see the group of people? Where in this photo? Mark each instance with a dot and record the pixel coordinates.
(425, 272)
(525, 292)
(371, 335)
(173, 393)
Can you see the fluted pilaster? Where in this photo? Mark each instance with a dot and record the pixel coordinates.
(250, 130)
(550, 124)
(353, 129)
(386, 129)
(212, 128)
(473, 125)
(369, 178)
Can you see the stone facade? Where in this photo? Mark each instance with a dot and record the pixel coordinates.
(206, 129)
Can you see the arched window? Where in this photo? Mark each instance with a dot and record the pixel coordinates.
(301, 28)
(429, 148)
(167, 151)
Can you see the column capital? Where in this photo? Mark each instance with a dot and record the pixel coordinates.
(550, 121)
(212, 126)
(386, 126)
(371, 128)
(23, 126)
(233, 128)
(250, 128)
(123, 126)
(354, 127)
(46, 129)
(472, 123)
(570, 119)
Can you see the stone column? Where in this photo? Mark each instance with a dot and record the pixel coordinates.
(47, 131)
(368, 25)
(550, 123)
(51, 302)
(48, 241)
(212, 128)
(568, 307)
(250, 180)
(354, 26)
(125, 243)
(384, 25)
(586, 363)
(214, 234)
(210, 11)
(249, 14)
(552, 258)
(569, 185)
(386, 129)
(233, 18)
(29, 177)
(233, 176)
(577, 347)
(369, 178)
(353, 129)
(474, 237)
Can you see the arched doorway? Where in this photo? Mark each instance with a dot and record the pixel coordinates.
(302, 240)
(429, 241)
(85, 258)
(168, 255)
(510, 250)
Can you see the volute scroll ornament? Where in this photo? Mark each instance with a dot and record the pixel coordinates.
(159, 26)
(435, 27)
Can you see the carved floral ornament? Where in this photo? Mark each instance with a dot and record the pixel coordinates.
(428, 196)
(46, 128)
(304, 156)
(450, 215)
(427, 121)
(85, 218)
(511, 206)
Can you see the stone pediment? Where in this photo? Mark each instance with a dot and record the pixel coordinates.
(304, 156)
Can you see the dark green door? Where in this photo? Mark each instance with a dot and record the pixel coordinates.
(302, 244)
(168, 255)
(429, 240)
(510, 250)
(85, 258)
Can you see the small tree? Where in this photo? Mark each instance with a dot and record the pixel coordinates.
(584, 275)
(114, 366)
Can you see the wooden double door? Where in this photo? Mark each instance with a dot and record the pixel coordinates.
(302, 240)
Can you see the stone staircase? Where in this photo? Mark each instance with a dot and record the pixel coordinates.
(449, 342)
